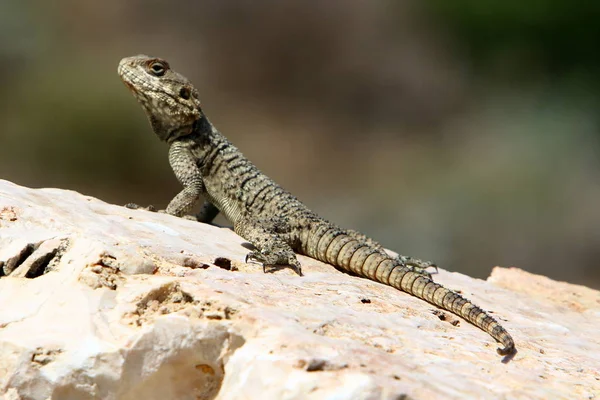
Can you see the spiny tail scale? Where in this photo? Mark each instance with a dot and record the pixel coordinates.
(329, 244)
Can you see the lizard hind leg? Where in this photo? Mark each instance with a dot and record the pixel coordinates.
(268, 236)
(416, 265)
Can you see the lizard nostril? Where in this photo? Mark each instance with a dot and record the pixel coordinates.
(184, 93)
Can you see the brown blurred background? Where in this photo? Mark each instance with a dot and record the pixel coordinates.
(462, 131)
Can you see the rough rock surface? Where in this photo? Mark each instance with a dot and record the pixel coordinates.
(102, 302)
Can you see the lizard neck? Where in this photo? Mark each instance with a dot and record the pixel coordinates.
(200, 128)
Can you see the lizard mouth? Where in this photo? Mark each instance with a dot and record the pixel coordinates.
(129, 85)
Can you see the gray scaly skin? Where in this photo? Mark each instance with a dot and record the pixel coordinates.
(270, 218)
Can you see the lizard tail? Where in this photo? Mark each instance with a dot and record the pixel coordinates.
(333, 246)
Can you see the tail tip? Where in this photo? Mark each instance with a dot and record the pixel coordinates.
(506, 350)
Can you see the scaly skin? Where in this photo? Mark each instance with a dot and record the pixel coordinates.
(262, 212)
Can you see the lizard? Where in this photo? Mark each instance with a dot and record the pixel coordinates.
(274, 221)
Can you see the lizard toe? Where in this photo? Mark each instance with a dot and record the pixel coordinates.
(254, 256)
(420, 271)
(295, 265)
(134, 206)
(272, 261)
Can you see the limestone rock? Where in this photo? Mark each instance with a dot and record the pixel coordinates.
(102, 302)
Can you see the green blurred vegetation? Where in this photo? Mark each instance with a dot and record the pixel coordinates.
(559, 35)
(464, 131)
(554, 37)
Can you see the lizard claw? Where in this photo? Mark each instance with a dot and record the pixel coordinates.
(252, 257)
(295, 265)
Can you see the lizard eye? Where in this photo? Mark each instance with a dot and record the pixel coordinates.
(184, 93)
(157, 69)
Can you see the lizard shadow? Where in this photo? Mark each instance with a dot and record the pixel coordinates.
(508, 358)
(248, 246)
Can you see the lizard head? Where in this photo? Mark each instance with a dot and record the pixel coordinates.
(171, 102)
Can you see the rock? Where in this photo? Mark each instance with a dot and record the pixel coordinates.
(102, 302)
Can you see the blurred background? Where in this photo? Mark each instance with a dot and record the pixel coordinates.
(461, 131)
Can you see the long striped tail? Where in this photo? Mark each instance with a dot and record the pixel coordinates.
(332, 245)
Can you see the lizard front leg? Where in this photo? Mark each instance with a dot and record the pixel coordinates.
(268, 236)
(184, 166)
(186, 170)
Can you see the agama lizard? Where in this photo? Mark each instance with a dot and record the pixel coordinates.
(262, 212)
